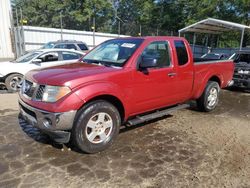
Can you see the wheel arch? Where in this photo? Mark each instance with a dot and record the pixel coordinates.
(215, 79)
(7, 75)
(111, 99)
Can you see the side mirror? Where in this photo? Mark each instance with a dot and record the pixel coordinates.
(37, 61)
(147, 62)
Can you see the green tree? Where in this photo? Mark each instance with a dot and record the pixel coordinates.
(162, 17)
(75, 14)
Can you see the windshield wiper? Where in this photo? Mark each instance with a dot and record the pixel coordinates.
(97, 62)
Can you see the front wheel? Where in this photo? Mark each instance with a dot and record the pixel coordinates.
(209, 98)
(13, 82)
(96, 126)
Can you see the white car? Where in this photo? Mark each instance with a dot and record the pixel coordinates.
(11, 73)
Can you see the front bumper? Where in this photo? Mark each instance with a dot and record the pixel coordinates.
(56, 125)
(1, 78)
(241, 82)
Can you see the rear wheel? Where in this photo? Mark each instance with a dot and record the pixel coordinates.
(209, 98)
(13, 82)
(96, 126)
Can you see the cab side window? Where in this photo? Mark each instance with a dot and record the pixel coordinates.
(50, 56)
(158, 50)
(181, 51)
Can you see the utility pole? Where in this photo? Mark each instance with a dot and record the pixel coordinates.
(22, 32)
(119, 24)
(119, 21)
(61, 23)
(18, 43)
(93, 31)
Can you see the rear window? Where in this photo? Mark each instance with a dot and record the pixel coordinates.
(82, 46)
(181, 52)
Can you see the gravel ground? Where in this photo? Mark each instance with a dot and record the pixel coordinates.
(185, 149)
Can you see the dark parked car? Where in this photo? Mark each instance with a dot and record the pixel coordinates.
(67, 44)
(215, 56)
(242, 69)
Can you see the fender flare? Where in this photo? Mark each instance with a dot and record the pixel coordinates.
(209, 77)
(92, 90)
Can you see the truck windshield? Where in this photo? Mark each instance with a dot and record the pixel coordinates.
(113, 52)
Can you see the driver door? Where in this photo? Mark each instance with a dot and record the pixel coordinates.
(155, 87)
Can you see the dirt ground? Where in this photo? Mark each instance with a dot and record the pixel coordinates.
(185, 149)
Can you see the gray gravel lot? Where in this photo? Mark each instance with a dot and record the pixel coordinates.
(185, 149)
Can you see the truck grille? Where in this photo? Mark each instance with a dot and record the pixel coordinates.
(28, 88)
(39, 93)
(237, 75)
(32, 90)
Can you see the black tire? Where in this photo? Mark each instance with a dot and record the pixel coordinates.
(203, 102)
(13, 82)
(81, 130)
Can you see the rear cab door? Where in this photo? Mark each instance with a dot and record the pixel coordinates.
(184, 69)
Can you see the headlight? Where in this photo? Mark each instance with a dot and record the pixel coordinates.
(54, 93)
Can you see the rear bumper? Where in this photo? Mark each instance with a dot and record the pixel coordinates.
(53, 124)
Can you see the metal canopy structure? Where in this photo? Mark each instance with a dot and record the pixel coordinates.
(215, 26)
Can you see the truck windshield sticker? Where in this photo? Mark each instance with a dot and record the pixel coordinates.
(128, 45)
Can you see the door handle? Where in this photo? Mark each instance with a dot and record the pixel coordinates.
(171, 74)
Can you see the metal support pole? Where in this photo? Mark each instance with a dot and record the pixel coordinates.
(140, 30)
(206, 41)
(61, 24)
(119, 28)
(194, 40)
(242, 38)
(179, 34)
(218, 41)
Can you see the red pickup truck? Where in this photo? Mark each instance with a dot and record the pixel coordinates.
(121, 81)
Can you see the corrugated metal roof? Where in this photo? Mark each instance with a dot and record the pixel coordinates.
(213, 26)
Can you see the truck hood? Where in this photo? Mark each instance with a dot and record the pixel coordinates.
(70, 75)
